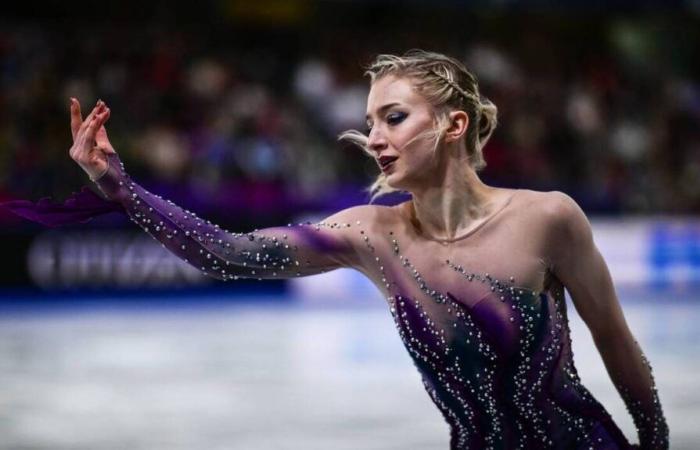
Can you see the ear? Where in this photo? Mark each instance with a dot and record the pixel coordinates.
(459, 122)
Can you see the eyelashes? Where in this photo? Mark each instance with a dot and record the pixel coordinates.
(396, 118)
(392, 119)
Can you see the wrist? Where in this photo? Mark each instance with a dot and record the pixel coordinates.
(95, 178)
(114, 181)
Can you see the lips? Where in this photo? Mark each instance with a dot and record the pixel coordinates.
(386, 161)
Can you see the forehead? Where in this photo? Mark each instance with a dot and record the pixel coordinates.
(391, 89)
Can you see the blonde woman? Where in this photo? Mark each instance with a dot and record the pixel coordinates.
(473, 275)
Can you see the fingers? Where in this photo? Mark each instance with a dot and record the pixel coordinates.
(81, 136)
(76, 121)
(85, 136)
(76, 117)
(89, 135)
(96, 122)
(102, 140)
(98, 108)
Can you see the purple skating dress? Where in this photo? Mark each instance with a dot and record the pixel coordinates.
(495, 356)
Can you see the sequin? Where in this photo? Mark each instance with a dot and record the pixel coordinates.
(495, 357)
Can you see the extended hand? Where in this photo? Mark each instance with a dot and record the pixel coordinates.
(90, 143)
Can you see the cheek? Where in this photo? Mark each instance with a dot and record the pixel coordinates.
(420, 150)
(424, 158)
(418, 162)
(416, 138)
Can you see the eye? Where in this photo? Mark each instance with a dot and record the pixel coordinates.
(396, 118)
(368, 130)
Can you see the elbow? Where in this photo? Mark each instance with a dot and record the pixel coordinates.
(227, 271)
(218, 269)
(605, 333)
(608, 335)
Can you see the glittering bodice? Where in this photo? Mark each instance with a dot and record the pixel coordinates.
(501, 370)
(495, 356)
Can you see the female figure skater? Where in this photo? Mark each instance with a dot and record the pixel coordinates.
(474, 275)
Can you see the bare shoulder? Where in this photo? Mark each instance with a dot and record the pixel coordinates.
(553, 206)
(557, 214)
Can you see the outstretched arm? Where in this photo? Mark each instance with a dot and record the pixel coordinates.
(578, 264)
(282, 252)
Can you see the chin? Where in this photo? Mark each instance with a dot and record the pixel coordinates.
(396, 182)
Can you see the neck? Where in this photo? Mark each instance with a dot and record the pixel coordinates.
(454, 205)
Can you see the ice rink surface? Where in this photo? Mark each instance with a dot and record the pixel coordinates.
(251, 375)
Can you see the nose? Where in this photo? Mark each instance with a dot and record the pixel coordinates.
(376, 140)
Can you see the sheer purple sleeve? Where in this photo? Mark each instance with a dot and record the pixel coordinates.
(642, 401)
(281, 252)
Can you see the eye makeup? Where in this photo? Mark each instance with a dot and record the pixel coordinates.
(396, 118)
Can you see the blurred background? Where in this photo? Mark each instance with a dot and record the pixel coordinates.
(231, 109)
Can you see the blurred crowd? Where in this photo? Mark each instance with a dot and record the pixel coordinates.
(611, 117)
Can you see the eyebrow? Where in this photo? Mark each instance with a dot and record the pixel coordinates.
(383, 108)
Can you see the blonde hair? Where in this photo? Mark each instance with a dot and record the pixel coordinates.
(447, 85)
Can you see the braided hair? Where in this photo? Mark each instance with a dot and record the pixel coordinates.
(447, 85)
